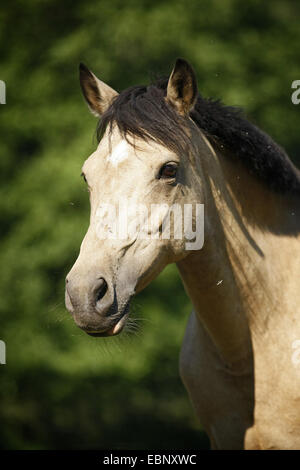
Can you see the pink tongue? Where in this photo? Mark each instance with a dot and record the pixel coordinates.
(114, 330)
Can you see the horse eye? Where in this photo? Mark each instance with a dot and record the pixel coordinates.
(83, 176)
(168, 171)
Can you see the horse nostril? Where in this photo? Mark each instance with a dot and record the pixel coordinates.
(101, 289)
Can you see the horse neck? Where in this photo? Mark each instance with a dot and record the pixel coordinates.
(236, 282)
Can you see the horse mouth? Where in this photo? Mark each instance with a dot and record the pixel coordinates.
(116, 328)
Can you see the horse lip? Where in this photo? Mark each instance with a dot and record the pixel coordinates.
(112, 331)
(116, 328)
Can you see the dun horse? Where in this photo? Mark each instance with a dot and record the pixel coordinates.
(165, 144)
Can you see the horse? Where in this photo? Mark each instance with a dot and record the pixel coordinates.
(164, 144)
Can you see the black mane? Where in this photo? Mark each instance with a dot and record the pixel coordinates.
(143, 112)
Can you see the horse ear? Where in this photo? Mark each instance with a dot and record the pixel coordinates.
(182, 88)
(97, 94)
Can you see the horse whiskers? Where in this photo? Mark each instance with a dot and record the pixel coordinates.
(131, 326)
(60, 318)
(55, 307)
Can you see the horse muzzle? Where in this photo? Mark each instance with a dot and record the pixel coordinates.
(95, 306)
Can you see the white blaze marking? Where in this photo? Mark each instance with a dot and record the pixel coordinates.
(119, 154)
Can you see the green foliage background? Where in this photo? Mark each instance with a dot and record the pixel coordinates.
(61, 388)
